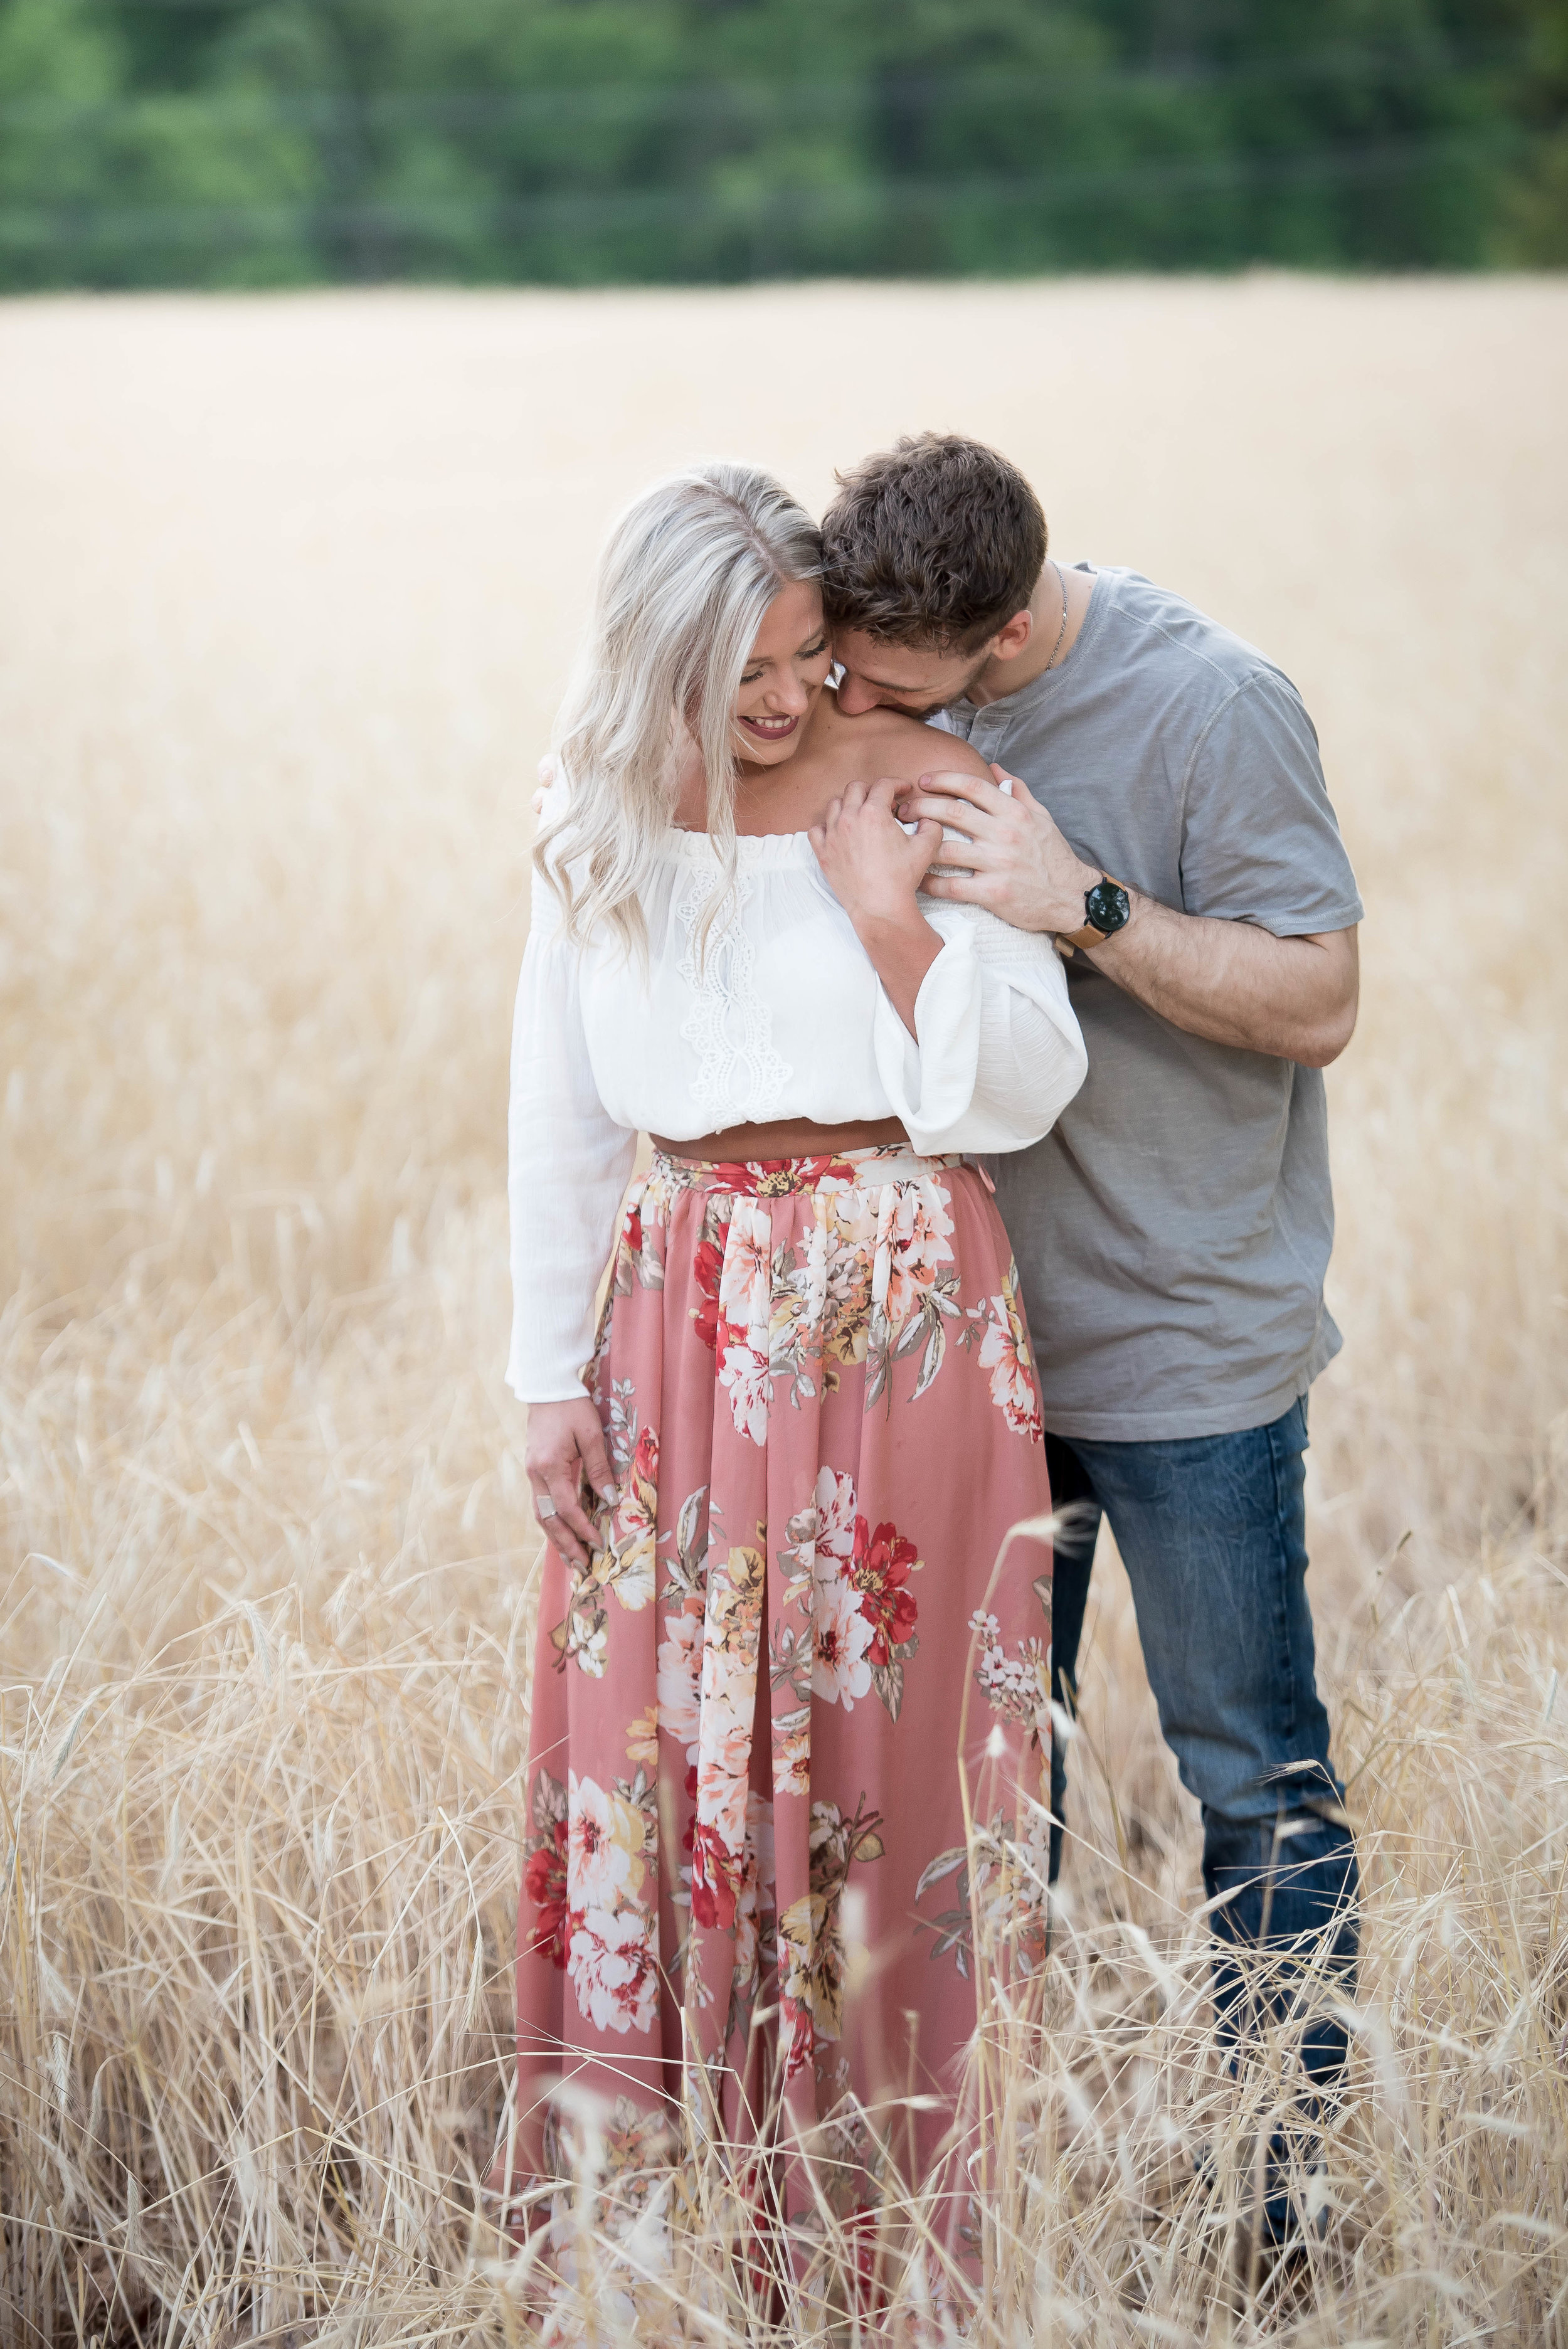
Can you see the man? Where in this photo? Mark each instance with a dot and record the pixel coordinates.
(1173, 1230)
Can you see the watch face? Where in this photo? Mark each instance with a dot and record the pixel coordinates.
(1107, 906)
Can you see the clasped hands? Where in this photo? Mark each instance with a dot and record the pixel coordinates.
(1016, 863)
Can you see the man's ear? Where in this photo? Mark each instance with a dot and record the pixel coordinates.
(1009, 642)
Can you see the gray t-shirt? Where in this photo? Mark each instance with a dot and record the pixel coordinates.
(1174, 1229)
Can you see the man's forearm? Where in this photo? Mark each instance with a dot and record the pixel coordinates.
(1230, 982)
(1236, 984)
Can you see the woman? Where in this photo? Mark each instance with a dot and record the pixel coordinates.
(775, 1486)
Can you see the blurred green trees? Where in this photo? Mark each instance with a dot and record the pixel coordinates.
(232, 142)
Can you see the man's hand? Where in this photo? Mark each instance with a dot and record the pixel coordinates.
(1232, 982)
(1021, 867)
(874, 868)
(565, 1447)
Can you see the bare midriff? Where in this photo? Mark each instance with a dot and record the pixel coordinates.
(787, 1137)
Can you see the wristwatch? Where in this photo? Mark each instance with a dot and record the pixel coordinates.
(1107, 907)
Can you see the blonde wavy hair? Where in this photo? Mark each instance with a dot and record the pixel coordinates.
(687, 573)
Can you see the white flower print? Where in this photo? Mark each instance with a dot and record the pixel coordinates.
(850, 1218)
(746, 1281)
(792, 1752)
(839, 1670)
(724, 1746)
(805, 1299)
(680, 1680)
(1018, 1687)
(634, 1585)
(915, 1240)
(1005, 1352)
(835, 1515)
(604, 1839)
(586, 1647)
(744, 1372)
(612, 1968)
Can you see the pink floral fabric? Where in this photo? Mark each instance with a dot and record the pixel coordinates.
(747, 1881)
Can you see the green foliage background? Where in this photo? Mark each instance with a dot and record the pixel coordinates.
(248, 142)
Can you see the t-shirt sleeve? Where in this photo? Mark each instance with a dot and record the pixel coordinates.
(1260, 841)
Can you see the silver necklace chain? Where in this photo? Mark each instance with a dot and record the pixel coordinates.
(1061, 632)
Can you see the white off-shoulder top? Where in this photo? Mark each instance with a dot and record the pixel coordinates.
(784, 1016)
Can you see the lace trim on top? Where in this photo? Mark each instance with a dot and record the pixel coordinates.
(739, 1076)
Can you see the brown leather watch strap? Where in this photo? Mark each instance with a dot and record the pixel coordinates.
(1088, 935)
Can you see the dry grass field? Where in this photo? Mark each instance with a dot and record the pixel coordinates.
(286, 592)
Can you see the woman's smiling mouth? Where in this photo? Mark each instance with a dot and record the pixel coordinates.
(771, 729)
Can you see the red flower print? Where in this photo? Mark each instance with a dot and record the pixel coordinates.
(714, 1877)
(633, 1232)
(864, 2227)
(800, 2035)
(777, 1178)
(770, 1178)
(545, 1879)
(880, 1569)
(646, 1459)
(708, 1265)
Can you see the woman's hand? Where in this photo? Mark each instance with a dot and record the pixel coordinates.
(874, 868)
(873, 865)
(565, 1445)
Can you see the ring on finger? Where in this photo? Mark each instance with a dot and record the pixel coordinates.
(543, 1507)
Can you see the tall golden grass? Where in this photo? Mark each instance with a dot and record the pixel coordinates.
(288, 589)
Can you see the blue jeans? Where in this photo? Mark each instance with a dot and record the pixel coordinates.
(1212, 1530)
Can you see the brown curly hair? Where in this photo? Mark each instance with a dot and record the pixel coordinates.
(937, 540)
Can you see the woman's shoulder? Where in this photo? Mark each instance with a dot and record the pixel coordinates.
(886, 742)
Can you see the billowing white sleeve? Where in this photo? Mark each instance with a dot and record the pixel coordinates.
(996, 1054)
(569, 1163)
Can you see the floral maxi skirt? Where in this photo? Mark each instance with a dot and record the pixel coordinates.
(748, 1890)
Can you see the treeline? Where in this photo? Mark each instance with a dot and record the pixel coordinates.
(245, 142)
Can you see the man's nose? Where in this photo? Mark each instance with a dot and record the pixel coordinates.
(855, 699)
